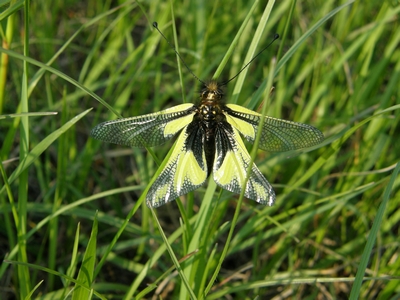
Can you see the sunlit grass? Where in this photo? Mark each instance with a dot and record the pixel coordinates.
(336, 215)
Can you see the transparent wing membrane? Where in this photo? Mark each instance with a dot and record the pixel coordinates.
(277, 135)
(147, 130)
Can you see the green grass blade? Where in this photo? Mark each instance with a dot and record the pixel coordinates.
(64, 277)
(317, 25)
(235, 42)
(376, 226)
(174, 259)
(42, 146)
(74, 260)
(200, 237)
(335, 147)
(60, 74)
(21, 223)
(14, 7)
(29, 114)
(86, 270)
(255, 41)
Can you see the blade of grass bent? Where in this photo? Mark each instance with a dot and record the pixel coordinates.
(59, 74)
(33, 155)
(335, 147)
(296, 45)
(41, 147)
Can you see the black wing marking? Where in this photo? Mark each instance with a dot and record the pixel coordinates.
(277, 135)
(230, 167)
(147, 130)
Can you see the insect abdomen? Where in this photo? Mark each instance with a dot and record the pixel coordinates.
(209, 147)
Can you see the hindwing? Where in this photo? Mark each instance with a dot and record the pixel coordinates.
(185, 171)
(231, 163)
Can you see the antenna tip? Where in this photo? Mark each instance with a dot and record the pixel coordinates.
(276, 36)
(155, 24)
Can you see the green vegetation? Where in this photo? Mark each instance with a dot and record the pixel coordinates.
(73, 220)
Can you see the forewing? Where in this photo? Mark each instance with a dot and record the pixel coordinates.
(277, 135)
(230, 167)
(185, 171)
(147, 130)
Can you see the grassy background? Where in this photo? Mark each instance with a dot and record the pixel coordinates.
(73, 221)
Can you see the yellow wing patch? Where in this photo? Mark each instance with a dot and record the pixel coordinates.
(185, 171)
(174, 126)
(242, 125)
